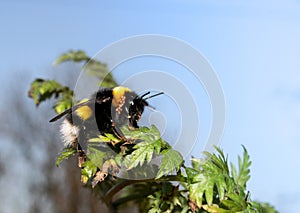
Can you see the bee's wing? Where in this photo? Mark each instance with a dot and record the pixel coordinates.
(70, 110)
(61, 114)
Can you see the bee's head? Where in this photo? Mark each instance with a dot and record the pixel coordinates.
(136, 108)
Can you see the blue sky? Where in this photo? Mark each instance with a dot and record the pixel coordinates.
(253, 46)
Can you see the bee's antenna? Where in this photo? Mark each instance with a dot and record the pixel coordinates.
(144, 99)
(160, 93)
(147, 93)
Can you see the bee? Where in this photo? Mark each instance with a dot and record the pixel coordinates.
(105, 112)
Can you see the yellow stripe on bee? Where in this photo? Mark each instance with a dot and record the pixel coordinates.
(118, 93)
(84, 112)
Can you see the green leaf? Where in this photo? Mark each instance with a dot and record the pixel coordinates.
(41, 90)
(208, 175)
(215, 209)
(214, 177)
(91, 66)
(204, 186)
(107, 138)
(143, 133)
(143, 152)
(196, 193)
(76, 56)
(112, 137)
(217, 161)
(191, 174)
(99, 70)
(235, 203)
(97, 156)
(171, 161)
(151, 143)
(88, 171)
(243, 175)
(65, 102)
(65, 154)
(265, 207)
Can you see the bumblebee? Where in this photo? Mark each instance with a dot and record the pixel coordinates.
(106, 111)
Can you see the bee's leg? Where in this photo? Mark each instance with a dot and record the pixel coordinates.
(81, 147)
(81, 156)
(117, 132)
(132, 124)
(81, 159)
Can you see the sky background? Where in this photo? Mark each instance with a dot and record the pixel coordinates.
(253, 46)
